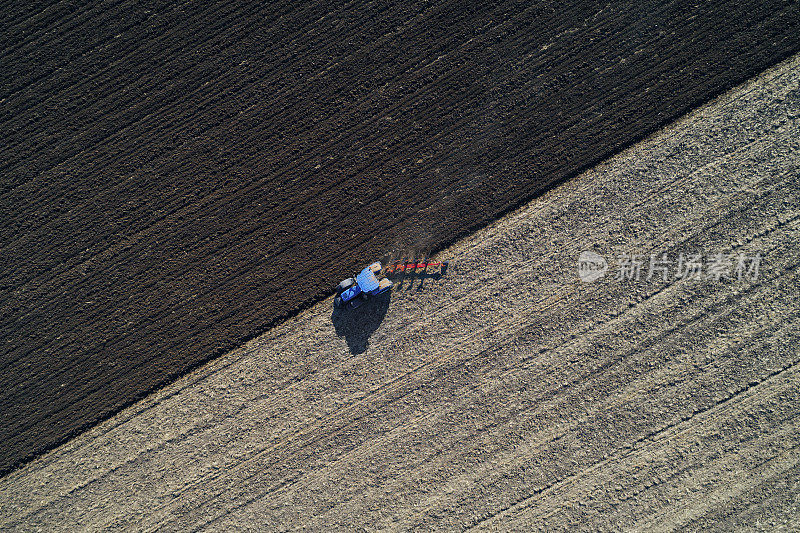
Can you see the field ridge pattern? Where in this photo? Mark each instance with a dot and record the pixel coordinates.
(177, 178)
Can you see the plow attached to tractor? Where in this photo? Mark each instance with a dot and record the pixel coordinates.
(414, 266)
(352, 292)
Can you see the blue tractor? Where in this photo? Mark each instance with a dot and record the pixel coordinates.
(353, 292)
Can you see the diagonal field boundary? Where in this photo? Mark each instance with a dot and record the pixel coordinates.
(177, 179)
(507, 390)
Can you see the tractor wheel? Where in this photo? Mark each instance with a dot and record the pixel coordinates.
(337, 301)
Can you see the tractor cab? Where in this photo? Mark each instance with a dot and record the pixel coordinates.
(355, 291)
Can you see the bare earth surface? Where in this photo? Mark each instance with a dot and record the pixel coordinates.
(177, 177)
(507, 394)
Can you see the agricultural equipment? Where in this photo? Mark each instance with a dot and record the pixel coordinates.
(353, 292)
(413, 266)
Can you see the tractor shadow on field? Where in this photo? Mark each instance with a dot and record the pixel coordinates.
(356, 325)
(407, 282)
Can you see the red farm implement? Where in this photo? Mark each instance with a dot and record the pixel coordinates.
(414, 266)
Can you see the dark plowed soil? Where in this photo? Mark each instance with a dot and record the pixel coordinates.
(175, 178)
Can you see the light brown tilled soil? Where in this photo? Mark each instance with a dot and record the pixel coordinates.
(508, 394)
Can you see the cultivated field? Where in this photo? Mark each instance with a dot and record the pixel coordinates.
(178, 176)
(507, 394)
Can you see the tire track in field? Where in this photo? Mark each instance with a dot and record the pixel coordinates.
(442, 412)
(748, 395)
(393, 392)
(576, 385)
